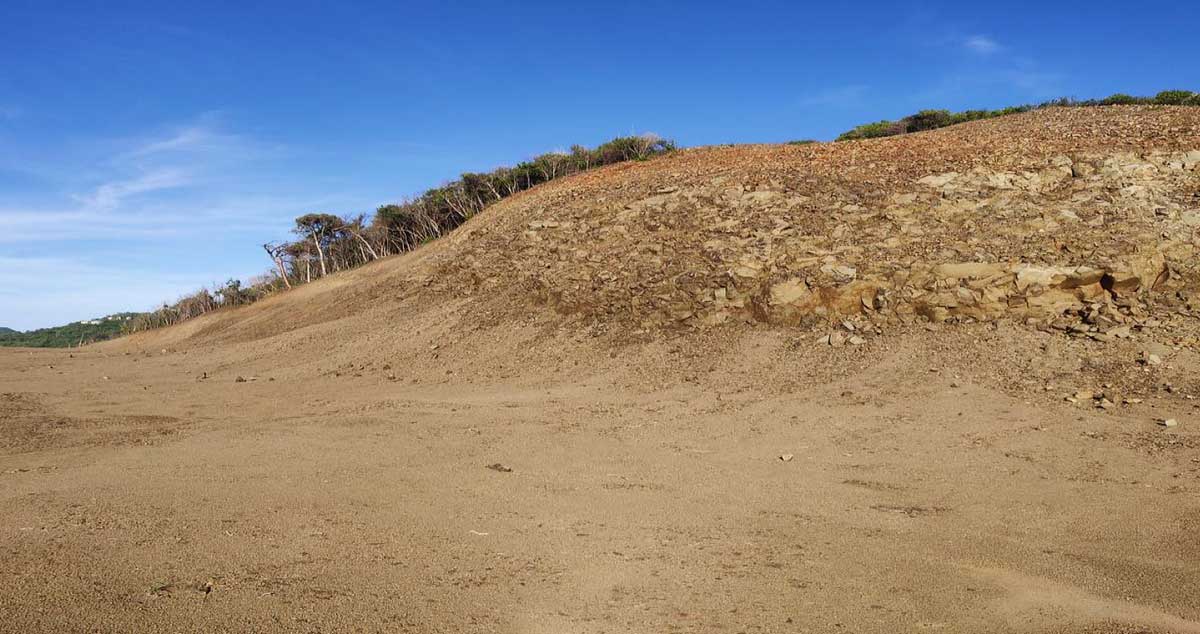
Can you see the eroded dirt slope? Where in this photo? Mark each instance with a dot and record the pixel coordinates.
(1026, 218)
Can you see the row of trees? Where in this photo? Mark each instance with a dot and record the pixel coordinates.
(326, 243)
(73, 334)
(232, 293)
(933, 119)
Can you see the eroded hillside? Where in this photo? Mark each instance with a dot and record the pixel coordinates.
(1088, 215)
(947, 381)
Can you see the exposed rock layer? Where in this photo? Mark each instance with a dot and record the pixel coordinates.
(1083, 215)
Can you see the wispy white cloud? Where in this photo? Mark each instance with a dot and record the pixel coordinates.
(190, 197)
(19, 226)
(981, 44)
(1020, 81)
(175, 182)
(187, 138)
(115, 208)
(205, 138)
(985, 67)
(224, 216)
(110, 195)
(1033, 81)
(841, 96)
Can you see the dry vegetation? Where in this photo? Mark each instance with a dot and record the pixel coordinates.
(327, 243)
(934, 119)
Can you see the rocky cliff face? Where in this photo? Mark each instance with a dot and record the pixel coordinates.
(1092, 235)
(1057, 219)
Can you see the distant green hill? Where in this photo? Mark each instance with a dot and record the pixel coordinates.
(72, 334)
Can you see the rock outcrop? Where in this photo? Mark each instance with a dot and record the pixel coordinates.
(1012, 220)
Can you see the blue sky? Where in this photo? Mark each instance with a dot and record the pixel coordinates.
(147, 149)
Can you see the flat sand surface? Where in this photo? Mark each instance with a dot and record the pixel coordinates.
(754, 482)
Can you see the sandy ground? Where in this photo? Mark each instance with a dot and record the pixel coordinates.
(926, 490)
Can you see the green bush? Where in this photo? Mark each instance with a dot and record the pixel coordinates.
(1121, 99)
(872, 130)
(934, 119)
(1174, 97)
(927, 120)
(72, 334)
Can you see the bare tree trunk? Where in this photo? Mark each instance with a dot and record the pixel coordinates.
(274, 255)
(461, 207)
(320, 254)
(364, 241)
(492, 187)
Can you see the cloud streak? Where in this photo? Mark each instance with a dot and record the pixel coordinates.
(111, 195)
(113, 212)
(175, 183)
(223, 217)
(981, 45)
(188, 138)
(841, 96)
